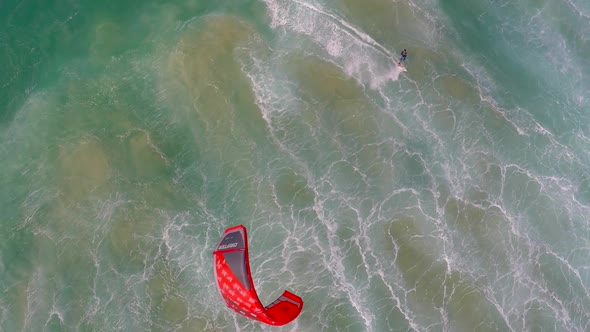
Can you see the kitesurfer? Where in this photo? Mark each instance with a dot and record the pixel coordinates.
(403, 57)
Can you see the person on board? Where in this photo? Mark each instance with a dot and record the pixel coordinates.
(403, 58)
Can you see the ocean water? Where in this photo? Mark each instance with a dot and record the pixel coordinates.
(451, 197)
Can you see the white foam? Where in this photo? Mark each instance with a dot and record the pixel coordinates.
(577, 9)
(272, 96)
(333, 260)
(359, 55)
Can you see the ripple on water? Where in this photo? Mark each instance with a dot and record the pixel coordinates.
(84, 169)
(292, 189)
(459, 301)
(133, 238)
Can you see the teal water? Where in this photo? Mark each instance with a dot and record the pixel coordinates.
(452, 197)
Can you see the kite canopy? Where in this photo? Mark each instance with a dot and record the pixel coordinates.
(232, 273)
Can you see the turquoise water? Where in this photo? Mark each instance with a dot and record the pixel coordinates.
(451, 197)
